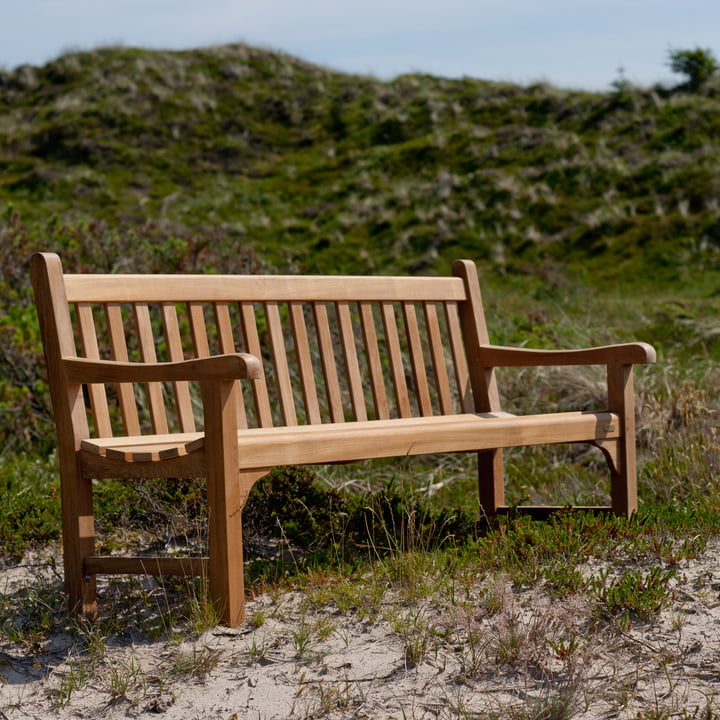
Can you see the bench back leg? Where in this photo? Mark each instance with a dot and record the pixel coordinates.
(623, 473)
(491, 481)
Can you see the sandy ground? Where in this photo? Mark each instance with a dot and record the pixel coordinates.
(525, 655)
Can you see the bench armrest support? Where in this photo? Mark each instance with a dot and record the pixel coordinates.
(621, 354)
(236, 366)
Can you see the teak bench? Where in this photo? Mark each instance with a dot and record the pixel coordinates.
(332, 369)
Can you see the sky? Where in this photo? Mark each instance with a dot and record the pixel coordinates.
(578, 44)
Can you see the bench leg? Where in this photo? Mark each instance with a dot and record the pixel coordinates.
(491, 481)
(621, 400)
(78, 528)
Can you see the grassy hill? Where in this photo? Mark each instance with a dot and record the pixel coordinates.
(315, 170)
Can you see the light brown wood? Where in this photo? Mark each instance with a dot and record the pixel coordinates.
(228, 347)
(89, 345)
(106, 564)
(119, 353)
(263, 412)
(254, 288)
(457, 349)
(181, 389)
(156, 401)
(78, 527)
(417, 359)
(225, 501)
(437, 355)
(449, 410)
(344, 442)
(327, 360)
(397, 367)
(305, 363)
(280, 363)
(352, 366)
(216, 367)
(372, 351)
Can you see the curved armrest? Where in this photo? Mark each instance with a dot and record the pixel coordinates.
(240, 366)
(622, 354)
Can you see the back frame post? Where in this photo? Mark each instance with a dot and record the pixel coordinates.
(78, 523)
(491, 473)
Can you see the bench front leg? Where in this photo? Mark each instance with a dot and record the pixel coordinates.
(78, 528)
(225, 499)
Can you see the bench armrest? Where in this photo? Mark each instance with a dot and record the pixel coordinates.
(239, 366)
(621, 354)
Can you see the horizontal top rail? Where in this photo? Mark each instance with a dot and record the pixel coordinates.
(126, 288)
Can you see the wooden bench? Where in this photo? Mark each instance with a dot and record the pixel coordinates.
(285, 371)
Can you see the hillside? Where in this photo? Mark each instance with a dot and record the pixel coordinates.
(316, 170)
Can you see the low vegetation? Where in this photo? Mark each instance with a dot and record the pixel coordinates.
(594, 219)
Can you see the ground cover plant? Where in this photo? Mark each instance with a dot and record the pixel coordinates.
(594, 219)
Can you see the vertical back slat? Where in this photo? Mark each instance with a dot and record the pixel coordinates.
(280, 363)
(156, 404)
(227, 345)
(198, 329)
(119, 352)
(417, 359)
(327, 360)
(352, 366)
(89, 344)
(305, 365)
(372, 352)
(437, 355)
(396, 364)
(181, 390)
(252, 341)
(462, 375)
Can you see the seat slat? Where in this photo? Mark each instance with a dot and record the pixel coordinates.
(280, 363)
(372, 353)
(417, 360)
(397, 369)
(252, 341)
(311, 444)
(156, 403)
(462, 375)
(352, 366)
(119, 351)
(181, 390)
(437, 355)
(227, 345)
(90, 349)
(327, 360)
(305, 364)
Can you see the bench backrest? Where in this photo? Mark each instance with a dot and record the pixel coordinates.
(334, 349)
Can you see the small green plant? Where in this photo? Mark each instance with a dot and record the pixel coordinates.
(698, 65)
(634, 593)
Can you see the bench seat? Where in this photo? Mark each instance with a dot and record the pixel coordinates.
(346, 442)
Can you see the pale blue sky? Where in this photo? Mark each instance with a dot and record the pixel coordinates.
(570, 43)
